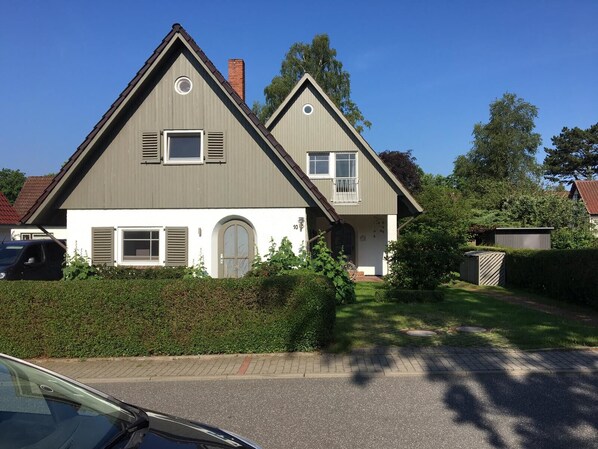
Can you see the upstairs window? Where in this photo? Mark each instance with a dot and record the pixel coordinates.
(183, 147)
(319, 165)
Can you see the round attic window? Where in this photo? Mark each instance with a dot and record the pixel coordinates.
(308, 109)
(183, 85)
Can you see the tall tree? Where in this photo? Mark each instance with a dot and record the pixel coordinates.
(404, 166)
(504, 149)
(574, 156)
(11, 182)
(319, 60)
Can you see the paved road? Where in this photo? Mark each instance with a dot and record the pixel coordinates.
(430, 411)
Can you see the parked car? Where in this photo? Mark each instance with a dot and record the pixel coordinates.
(31, 260)
(41, 409)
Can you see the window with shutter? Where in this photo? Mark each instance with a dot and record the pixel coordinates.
(150, 147)
(215, 152)
(102, 246)
(176, 247)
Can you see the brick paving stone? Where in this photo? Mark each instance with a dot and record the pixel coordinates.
(384, 361)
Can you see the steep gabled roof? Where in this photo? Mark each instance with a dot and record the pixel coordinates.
(588, 191)
(307, 79)
(8, 215)
(177, 33)
(33, 188)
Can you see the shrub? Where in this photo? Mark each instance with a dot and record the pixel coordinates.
(408, 296)
(123, 272)
(77, 268)
(567, 275)
(422, 260)
(186, 316)
(279, 260)
(322, 262)
(282, 260)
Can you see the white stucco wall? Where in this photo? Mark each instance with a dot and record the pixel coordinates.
(372, 233)
(203, 225)
(35, 232)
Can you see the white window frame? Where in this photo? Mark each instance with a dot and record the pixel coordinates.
(140, 262)
(330, 167)
(331, 163)
(183, 161)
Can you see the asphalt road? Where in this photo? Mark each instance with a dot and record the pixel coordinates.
(476, 411)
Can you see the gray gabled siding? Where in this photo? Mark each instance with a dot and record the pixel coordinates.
(251, 177)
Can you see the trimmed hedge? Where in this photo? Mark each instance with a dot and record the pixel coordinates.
(175, 317)
(408, 296)
(569, 275)
(120, 272)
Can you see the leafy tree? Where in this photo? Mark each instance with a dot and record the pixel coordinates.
(11, 182)
(429, 248)
(574, 156)
(504, 149)
(319, 60)
(402, 164)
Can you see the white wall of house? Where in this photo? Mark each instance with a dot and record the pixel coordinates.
(203, 226)
(372, 234)
(33, 233)
(594, 223)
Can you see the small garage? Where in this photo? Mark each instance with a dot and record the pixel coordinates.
(526, 238)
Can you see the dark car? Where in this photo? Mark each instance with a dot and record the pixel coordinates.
(31, 260)
(40, 409)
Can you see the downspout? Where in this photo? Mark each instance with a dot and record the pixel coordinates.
(62, 245)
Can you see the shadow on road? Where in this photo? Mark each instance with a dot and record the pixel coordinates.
(551, 410)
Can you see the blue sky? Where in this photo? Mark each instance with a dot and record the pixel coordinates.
(423, 72)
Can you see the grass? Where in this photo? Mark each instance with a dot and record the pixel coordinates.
(368, 323)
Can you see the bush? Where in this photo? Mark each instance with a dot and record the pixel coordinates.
(422, 261)
(282, 260)
(567, 275)
(322, 262)
(408, 296)
(122, 272)
(146, 317)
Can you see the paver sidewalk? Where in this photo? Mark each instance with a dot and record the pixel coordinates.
(360, 363)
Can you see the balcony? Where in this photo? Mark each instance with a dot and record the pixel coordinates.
(345, 190)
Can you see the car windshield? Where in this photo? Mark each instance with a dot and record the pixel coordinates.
(10, 252)
(39, 410)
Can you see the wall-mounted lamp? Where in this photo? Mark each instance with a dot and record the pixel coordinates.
(301, 222)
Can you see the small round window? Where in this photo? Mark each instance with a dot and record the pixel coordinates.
(183, 85)
(308, 109)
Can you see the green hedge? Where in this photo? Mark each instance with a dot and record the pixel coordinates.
(120, 272)
(175, 317)
(569, 275)
(409, 296)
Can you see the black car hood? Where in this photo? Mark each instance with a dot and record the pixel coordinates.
(167, 432)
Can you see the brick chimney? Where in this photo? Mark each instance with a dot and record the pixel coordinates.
(236, 76)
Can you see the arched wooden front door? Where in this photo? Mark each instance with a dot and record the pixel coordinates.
(235, 249)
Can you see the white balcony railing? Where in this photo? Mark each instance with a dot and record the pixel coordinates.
(345, 190)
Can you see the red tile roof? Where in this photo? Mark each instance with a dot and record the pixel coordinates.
(32, 189)
(8, 215)
(588, 191)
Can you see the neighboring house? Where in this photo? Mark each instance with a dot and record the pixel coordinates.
(587, 191)
(180, 170)
(349, 173)
(8, 218)
(32, 189)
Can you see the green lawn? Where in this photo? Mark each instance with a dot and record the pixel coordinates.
(368, 323)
